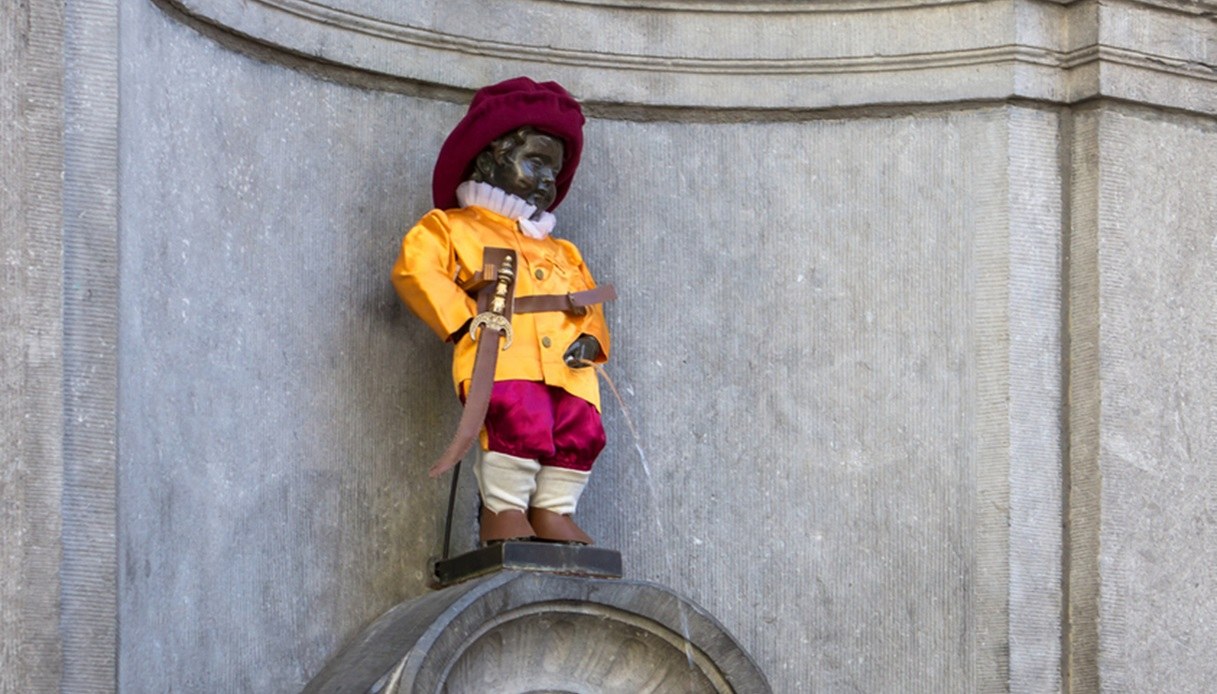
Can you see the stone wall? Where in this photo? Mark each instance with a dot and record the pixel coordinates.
(1142, 505)
(58, 323)
(31, 371)
(914, 331)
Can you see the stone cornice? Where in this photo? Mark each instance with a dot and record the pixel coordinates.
(692, 54)
(745, 7)
(1197, 7)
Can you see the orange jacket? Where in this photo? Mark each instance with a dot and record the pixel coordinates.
(444, 250)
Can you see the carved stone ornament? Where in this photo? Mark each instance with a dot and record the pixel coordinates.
(775, 55)
(530, 632)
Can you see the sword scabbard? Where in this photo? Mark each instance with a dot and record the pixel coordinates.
(497, 319)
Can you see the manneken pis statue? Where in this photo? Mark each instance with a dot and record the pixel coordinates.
(482, 266)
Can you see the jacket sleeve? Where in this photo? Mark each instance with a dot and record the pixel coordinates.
(424, 276)
(593, 322)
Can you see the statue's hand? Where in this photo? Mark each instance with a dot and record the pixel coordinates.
(582, 352)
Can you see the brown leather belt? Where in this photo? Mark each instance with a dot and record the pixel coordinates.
(485, 283)
(576, 302)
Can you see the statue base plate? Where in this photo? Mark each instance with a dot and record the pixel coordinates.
(543, 557)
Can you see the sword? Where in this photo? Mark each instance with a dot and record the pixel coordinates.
(493, 323)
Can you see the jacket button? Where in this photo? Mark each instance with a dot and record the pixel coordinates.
(539, 274)
(546, 342)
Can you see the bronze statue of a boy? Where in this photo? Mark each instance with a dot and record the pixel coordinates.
(482, 266)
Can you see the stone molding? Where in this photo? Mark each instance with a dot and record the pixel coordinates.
(704, 55)
(537, 631)
(744, 7)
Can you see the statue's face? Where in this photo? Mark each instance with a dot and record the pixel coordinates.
(530, 169)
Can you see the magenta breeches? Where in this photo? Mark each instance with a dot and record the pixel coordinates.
(529, 419)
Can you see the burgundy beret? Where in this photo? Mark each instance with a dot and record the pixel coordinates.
(497, 110)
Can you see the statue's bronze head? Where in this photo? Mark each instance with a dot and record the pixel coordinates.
(525, 162)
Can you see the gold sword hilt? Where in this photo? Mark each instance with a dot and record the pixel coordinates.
(494, 317)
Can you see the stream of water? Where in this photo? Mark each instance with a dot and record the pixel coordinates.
(654, 494)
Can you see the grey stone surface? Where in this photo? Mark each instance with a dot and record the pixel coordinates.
(278, 405)
(1081, 516)
(31, 371)
(1140, 510)
(816, 352)
(88, 575)
(857, 359)
(1157, 375)
(1030, 452)
(808, 319)
(58, 325)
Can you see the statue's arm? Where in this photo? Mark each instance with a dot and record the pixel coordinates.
(593, 342)
(424, 276)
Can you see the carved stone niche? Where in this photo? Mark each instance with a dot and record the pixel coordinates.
(517, 632)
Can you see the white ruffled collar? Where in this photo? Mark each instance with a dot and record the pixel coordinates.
(499, 201)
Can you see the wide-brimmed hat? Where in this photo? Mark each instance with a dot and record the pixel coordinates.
(497, 110)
